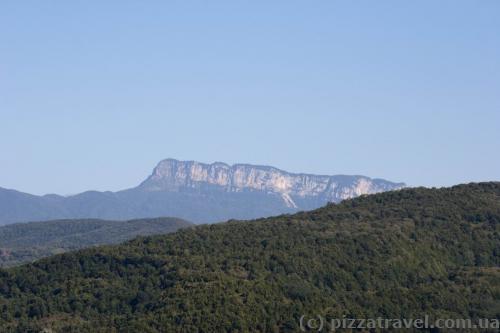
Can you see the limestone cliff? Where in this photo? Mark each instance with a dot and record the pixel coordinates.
(173, 175)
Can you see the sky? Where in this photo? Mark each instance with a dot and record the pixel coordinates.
(93, 94)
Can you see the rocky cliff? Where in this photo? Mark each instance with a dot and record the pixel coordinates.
(173, 175)
(197, 192)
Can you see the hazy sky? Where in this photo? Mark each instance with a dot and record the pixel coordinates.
(94, 93)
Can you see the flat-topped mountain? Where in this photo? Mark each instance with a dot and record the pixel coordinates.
(197, 192)
(174, 175)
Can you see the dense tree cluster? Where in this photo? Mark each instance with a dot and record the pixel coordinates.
(26, 242)
(401, 254)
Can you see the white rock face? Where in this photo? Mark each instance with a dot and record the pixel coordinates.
(173, 175)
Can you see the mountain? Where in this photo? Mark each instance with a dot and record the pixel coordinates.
(25, 242)
(196, 192)
(295, 190)
(401, 254)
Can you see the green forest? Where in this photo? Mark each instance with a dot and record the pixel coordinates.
(401, 254)
(26, 242)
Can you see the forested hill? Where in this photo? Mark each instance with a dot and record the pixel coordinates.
(25, 242)
(401, 254)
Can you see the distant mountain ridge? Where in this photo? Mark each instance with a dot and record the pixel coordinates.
(171, 175)
(197, 192)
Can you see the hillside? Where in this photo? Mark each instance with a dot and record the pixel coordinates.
(197, 192)
(25, 242)
(401, 254)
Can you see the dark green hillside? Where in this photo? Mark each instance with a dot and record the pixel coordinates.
(25, 242)
(399, 254)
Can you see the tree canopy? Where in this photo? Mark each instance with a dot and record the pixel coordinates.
(401, 254)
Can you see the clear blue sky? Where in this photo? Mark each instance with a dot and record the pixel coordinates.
(94, 93)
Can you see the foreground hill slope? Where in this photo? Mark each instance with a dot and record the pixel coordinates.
(399, 254)
(25, 242)
(197, 192)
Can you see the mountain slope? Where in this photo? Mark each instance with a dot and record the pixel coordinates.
(196, 192)
(25, 242)
(19, 206)
(402, 254)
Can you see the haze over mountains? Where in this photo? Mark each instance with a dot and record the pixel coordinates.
(198, 192)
